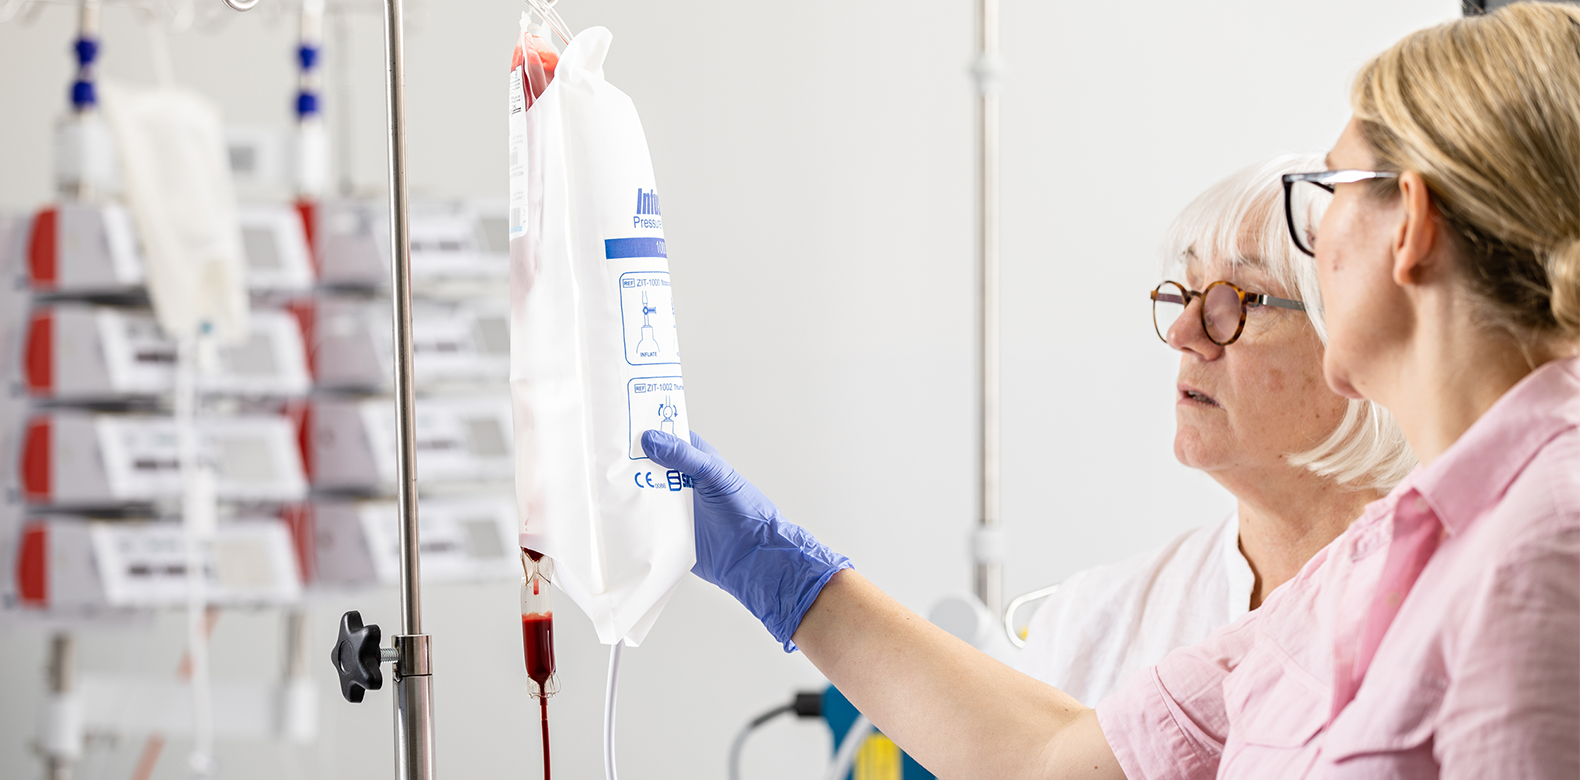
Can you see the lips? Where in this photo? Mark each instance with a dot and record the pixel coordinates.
(1188, 394)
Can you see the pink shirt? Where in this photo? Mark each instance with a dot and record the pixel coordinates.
(1478, 676)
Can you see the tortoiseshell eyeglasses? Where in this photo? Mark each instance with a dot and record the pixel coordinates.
(1222, 309)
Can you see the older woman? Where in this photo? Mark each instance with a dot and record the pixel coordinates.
(1440, 634)
(1253, 413)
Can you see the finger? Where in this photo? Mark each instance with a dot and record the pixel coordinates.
(671, 452)
(702, 444)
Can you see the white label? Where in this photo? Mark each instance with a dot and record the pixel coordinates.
(518, 154)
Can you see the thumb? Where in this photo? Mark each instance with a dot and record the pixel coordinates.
(671, 452)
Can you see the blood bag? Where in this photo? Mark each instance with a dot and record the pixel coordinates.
(595, 358)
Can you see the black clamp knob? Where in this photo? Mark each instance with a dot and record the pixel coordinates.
(356, 657)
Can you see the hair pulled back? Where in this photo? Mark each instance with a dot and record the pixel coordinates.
(1487, 110)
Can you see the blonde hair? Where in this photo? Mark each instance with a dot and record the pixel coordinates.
(1240, 220)
(1487, 110)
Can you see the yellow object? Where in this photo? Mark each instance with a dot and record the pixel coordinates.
(878, 759)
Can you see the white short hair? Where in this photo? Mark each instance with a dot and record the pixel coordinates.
(1241, 220)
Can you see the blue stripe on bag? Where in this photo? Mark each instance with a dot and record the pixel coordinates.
(616, 248)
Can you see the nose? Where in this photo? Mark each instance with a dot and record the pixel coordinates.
(1187, 334)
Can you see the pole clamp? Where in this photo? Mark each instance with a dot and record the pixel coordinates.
(413, 655)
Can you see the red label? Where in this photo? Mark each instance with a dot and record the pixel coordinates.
(32, 565)
(40, 359)
(41, 250)
(35, 460)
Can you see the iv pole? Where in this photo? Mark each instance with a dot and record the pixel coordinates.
(988, 542)
(413, 670)
(357, 654)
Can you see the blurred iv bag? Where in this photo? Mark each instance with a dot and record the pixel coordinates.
(175, 178)
(595, 359)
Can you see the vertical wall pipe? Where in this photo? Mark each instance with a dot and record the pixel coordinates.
(987, 551)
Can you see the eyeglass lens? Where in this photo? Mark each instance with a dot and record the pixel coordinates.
(1307, 203)
(1168, 303)
(1220, 313)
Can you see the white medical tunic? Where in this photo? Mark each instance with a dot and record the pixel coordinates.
(1104, 624)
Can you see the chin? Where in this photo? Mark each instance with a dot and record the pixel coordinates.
(1191, 451)
(1338, 378)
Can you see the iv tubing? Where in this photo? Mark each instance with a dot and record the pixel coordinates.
(739, 742)
(846, 757)
(608, 710)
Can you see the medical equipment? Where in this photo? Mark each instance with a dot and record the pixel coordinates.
(449, 242)
(356, 544)
(537, 635)
(79, 248)
(581, 261)
(805, 704)
(177, 185)
(75, 351)
(312, 137)
(460, 344)
(78, 566)
(457, 440)
(860, 751)
(79, 458)
(988, 545)
(355, 657)
(1017, 635)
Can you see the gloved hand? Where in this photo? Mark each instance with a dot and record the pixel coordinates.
(772, 566)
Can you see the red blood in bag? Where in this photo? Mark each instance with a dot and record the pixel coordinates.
(550, 60)
(537, 640)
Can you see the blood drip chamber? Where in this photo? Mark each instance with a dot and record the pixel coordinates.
(537, 635)
(537, 623)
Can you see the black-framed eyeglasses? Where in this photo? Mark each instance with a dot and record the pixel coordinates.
(1223, 308)
(1307, 195)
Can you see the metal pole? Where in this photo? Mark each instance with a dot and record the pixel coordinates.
(989, 569)
(413, 670)
(62, 681)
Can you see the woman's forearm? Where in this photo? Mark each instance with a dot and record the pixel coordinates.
(957, 711)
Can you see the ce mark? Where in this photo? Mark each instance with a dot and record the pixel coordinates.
(673, 480)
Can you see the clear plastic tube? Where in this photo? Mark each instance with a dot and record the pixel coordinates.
(537, 635)
(610, 689)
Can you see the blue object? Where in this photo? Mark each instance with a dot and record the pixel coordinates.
(308, 56)
(306, 104)
(840, 715)
(772, 566)
(87, 50)
(617, 248)
(83, 95)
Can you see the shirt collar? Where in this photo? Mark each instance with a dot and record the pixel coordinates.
(1475, 470)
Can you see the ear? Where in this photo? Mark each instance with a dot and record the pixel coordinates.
(1418, 232)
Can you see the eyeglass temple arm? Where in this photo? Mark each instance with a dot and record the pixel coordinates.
(1268, 300)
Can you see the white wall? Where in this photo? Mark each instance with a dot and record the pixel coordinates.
(815, 161)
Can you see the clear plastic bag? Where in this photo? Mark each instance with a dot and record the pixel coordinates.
(595, 358)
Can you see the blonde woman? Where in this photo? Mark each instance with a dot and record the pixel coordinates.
(1252, 412)
(1440, 635)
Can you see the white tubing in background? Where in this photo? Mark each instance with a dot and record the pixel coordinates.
(610, 689)
(197, 515)
(846, 757)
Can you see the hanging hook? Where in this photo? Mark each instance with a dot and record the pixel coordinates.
(545, 10)
(241, 5)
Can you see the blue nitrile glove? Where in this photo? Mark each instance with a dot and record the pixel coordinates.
(772, 566)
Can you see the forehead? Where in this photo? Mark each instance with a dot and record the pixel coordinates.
(1212, 267)
(1351, 150)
